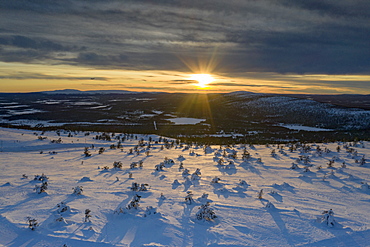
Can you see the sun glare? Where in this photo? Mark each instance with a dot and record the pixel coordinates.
(202, 79)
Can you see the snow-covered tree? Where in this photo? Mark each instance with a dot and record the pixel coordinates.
(62, 207)
(87, 215)
(260, 193)
(362, 161)
(175, 182)
(78, 190)
(162, 197)
(206, 213)
(87, 152)
(185, 172)
(159, 167)
(328, 218)
(215, 180)
(41, 188)
(242, 183)
(294, 166)
(150, 210)
(32, 223)
(41, 177)
(117, 164)
(134, 203)
(189, 198)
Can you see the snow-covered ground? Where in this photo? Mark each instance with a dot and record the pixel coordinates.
(298, 196)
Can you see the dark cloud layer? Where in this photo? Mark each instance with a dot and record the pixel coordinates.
(283, 36)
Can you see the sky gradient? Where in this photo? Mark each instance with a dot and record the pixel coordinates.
(273, 46)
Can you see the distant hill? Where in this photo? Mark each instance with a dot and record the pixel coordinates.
(75, 91)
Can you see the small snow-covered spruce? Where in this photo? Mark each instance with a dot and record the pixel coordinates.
(242, 183)
(306, 169)
(162, 197)
(77, 190)
(294, 166)
(130, 175)
(134, 203)
(362, 161)
(32, 223)
(246, 155)
(185, 172)
(189, 198)
(117, 164)
(101, 150)
(195, 176)
(41, 188)
(364, 186)
(175, 182)
(204, 196)
(270, 205)
(43, 177)
(330, 164)
(119, 211)
(87, 215)
(62, 207)
(24, 176)
(328, 218)
(141, 164)
(181, 166)
(159, 167)
(206, 213)
(133, 165)
(259, 196)
(150, 210)
(87, 152)
(197, 171)
(215, 180)
(168, 161)
(137, 187)
(105, 168)
(344, 165)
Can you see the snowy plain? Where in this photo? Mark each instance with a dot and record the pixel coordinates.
(299, 196)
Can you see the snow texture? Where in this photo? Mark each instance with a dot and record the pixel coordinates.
(288, 214)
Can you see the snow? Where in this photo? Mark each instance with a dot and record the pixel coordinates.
(185, 120)
(301, 127)
(298, 197)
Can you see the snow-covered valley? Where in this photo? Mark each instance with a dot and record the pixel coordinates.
(295, 183)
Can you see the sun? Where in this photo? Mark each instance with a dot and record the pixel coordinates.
(203, 79)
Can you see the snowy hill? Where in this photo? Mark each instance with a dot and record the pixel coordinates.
(289, 212)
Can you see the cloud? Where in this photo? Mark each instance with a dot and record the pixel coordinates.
(283, 36)
(246, 85)
(27, 76)
(183, 82)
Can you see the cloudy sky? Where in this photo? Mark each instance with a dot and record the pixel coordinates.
(276, 46)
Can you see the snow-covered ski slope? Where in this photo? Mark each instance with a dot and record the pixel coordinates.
(297, 197)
